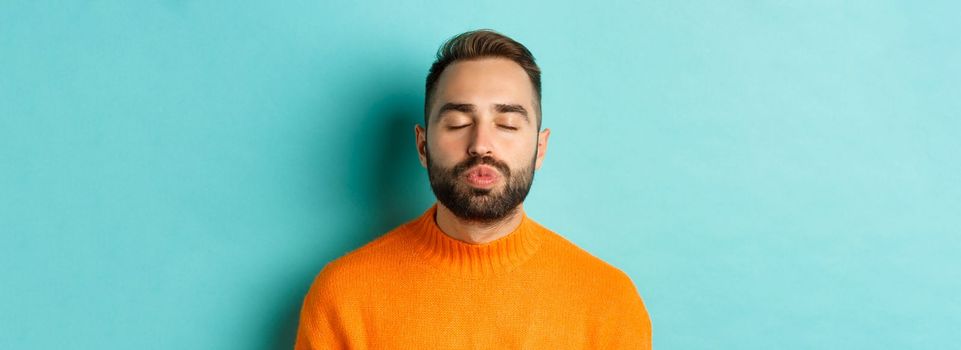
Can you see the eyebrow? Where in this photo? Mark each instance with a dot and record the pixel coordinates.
(503, 108)
(469, 108)
(460, 107)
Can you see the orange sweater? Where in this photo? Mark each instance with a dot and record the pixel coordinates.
(417, 288)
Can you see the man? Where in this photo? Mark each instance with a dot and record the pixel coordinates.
(474, 272)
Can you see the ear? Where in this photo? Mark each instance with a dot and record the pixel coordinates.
(541, 147)
(420, 137)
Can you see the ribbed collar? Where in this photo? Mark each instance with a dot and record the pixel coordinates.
(474, 260)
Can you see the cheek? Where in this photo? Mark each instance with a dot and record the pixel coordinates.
(523, 155)
(444, 152)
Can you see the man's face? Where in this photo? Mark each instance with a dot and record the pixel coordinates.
(482, 145)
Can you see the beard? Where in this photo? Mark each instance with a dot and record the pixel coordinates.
(480, 205)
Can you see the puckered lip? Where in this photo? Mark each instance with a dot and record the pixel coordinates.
(482, 175)
(483, 170)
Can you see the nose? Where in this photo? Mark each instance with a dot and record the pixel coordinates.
(481, 141)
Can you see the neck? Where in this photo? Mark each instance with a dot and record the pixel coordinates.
(477, 232)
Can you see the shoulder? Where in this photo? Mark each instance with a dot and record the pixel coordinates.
(586, 266)
(373, 258)
(611, 289)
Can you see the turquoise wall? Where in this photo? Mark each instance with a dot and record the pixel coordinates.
(771, 175)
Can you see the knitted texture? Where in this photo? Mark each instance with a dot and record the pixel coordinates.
(417, 288)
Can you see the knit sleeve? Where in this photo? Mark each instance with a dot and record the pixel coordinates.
(627, 324)
(323, 322)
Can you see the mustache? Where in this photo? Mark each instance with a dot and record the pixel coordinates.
(468, 163)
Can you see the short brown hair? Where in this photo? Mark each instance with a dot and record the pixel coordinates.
(482, 43)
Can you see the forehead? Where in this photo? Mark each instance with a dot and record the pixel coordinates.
(484, 81)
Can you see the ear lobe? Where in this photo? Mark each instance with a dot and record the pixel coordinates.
(542, 147)
(420, 140)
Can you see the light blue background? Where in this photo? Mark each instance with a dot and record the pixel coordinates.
(772, 175)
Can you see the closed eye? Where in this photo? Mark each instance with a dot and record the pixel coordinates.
(455, 127)
(508, 127)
